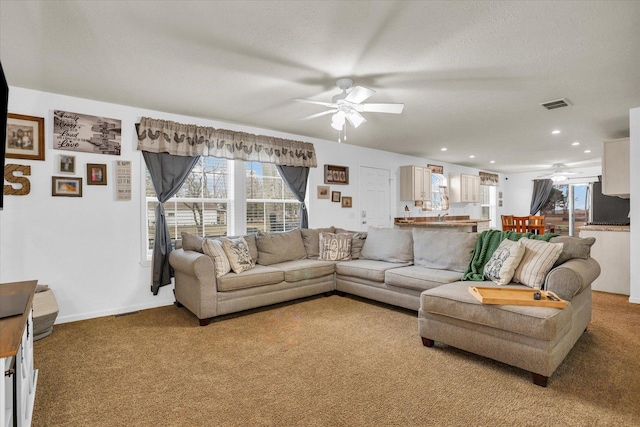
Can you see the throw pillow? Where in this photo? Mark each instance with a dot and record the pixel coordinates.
(538, 259)
(335, 247)
(237, 251)
(503, 263)
(357, 243)
(573, 247)
(443, 250)
(388, 244)
(191, 242)
(214, 249)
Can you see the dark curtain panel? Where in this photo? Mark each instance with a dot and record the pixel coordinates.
(541, 192)
(296, 179)
(167, 174)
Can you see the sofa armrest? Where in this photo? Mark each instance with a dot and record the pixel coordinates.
(195, 282)
(569, 279)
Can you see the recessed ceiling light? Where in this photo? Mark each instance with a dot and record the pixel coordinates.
(443, 149)
(575, 143)
(492, 161)
(472, 156)
(587, 151)
(555, 132)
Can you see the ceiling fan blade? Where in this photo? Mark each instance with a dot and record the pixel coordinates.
(359, 94)
(311, 101)
(313, 116)
(383, 108)
(355, 118)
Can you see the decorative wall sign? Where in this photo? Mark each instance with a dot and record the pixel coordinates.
(25, 137)
(436, 169)
(96, 174)
(347, 202)
(123, 180)
(335, 196)
(336, 174)
(66, 164)
(82, 132)
(487, 178)
(323, 192)
(23, 181)
(66, 186)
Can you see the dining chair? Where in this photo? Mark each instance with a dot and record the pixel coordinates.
(536, 224)
(507, 223)
(520, 223)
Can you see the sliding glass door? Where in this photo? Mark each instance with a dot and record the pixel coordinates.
(568, 207)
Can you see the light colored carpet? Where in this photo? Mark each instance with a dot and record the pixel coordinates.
(323, 362)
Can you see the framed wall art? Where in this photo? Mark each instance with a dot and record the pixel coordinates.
(66, 186)
(347, 202)
(96, 174)
(66, 164)
(436, 169)
(82, 132)
(336, 174)
(25, 137)
(323, 192)
(335, 196)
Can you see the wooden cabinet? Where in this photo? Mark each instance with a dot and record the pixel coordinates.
(615, 167)
(612, 251)
(464, 188)
(18, 387)
(415, 183)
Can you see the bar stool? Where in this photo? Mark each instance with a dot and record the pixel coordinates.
(507, 223)
(536, 224)
(520, 223)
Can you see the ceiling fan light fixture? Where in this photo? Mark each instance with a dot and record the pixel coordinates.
(355, 119)
(558, 178)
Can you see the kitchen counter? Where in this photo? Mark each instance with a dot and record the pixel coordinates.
(450, 223)
(626, 228)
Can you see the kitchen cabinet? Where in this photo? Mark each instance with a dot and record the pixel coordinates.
(464, 188)
(612, 251)
(415, 183)
(615, 168)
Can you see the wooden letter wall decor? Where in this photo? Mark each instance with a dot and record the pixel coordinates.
(10, 176)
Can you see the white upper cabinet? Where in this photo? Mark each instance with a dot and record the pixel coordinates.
(615, 167)
(464, 188)
(415, 183)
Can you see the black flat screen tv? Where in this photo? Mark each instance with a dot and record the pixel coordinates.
(609, 209)
(4, 104)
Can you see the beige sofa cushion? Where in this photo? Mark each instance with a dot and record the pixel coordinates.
(573, 247)
(191, 242)
(420, 278)
(455, 301)
(388, 244)
(213, 248)
(366, 269)
(444, 250)
(303, 269)
(280, 247)
(311, 240)
(258, 276)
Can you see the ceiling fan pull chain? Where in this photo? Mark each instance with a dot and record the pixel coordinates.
(345, 131)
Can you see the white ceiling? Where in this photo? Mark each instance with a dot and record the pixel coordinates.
(471, 74)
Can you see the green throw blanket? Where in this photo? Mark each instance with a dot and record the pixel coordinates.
(486, 245)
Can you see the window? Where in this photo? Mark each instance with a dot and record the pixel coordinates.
(438, 181)
(488, 204)
(270, 204)
(199, 207)
(559, 211)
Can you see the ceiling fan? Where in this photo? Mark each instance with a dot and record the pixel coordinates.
(560, 173)
(348, 105)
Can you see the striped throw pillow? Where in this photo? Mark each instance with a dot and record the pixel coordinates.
(214, 249)
(538, 259)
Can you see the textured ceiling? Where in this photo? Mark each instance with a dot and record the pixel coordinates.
(471, 74)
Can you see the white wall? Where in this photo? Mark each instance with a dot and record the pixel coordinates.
(634, 124)
(89, 249)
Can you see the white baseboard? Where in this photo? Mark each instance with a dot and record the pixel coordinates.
(114, 311)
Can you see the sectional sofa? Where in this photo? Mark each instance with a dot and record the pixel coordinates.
(416, 269)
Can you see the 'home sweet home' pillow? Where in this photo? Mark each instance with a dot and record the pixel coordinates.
(503, 263)
(538, 259)
(335, 247)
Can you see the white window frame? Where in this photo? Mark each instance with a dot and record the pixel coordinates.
(436, 189)
(492, 205)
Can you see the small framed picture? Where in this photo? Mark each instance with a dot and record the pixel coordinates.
(336, 174)
(66, 186)
(347, 202)
(96, 174)
(66, 164)
(335, 196)
(323, 192)
(25, 137)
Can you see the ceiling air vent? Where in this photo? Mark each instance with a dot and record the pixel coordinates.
(558, 103)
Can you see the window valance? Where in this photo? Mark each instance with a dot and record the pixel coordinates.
(163, 136)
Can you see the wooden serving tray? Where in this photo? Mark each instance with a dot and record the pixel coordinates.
(510, 296)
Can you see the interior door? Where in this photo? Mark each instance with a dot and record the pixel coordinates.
(374, 193)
